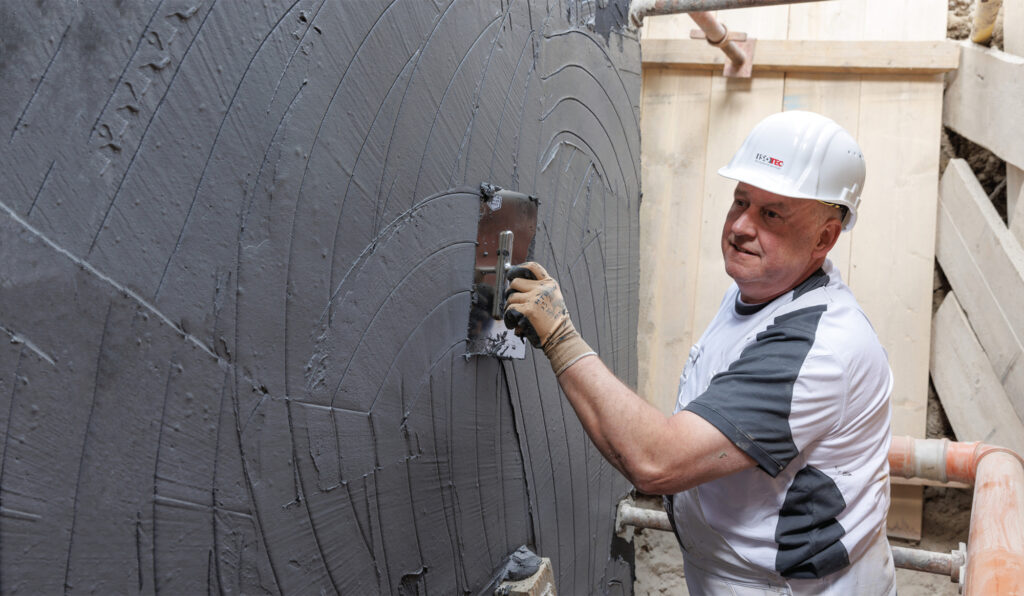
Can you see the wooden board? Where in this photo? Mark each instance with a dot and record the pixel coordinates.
(985, 99)
(971, 394)
(864, 57)
(672, 172)
(892, 248)
(1014, 204)
(893, 244)
(985, 266)
(1013, 28)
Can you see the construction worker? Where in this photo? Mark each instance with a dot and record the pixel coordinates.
(775, 461)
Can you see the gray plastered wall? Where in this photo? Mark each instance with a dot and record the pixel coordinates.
(236, 251)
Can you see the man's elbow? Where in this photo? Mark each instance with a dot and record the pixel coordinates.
(654, 480)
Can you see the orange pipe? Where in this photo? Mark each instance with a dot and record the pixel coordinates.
(995, 546)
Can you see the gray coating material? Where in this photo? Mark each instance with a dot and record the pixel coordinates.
(237, 250)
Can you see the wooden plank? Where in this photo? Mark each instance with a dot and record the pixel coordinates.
(985, 266)
(905, 510)
(910, 20)
(861, 57)
(899, 137)
(984, 101)
(674, 134)
(1013, 27)
(1015, 200)
(893, 247)
(926, 482)
(972, 396)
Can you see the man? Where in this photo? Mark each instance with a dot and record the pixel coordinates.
(776, 457)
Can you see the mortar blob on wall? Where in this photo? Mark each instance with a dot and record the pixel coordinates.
(238, 244)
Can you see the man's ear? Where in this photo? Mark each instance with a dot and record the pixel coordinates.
(828, 235)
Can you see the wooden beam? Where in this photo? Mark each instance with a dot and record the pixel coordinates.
(984, 100)
(779, 55)
(985, 266)
(972, 396)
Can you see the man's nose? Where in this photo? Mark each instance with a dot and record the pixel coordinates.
(743, 224)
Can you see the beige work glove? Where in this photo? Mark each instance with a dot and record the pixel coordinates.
(535, 309)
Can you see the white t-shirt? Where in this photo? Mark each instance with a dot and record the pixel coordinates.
(801, 384)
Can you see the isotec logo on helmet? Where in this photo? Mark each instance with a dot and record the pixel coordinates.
(768, 160)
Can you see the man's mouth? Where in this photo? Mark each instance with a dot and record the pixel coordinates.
(740, 249)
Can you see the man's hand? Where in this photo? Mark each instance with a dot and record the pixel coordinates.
(535, 309)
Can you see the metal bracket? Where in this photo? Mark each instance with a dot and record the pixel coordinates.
(738, 49)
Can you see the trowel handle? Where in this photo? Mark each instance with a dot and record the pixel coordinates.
(501, 267)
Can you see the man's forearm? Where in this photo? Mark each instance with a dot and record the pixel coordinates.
(623, 426)
(658, 454)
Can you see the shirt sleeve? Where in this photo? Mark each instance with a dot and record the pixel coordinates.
(781, 394)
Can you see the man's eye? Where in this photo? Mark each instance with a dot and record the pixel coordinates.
(768, 213)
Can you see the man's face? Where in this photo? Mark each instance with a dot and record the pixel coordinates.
(771, 242)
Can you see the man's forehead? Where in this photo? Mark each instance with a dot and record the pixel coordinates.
(765, 198)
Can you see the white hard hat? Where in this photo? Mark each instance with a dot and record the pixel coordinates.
(804, 155)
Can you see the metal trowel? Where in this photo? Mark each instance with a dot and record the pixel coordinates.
(505, 234)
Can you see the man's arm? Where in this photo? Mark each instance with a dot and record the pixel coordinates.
(658, 454)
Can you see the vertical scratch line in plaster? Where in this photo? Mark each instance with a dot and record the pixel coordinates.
(295, 52)
(380, 526)
(46, 178)
(249, 486)
(367, 541)
(7, 445)
(209, 572)
(35, 92)
(124, 290)
(550, 467)
(82, 451)
(156, 466)
(456, 507)
(138, 548)
(300, 494)
(499, 436)
(439, 476)
(214, 504)
(477, 439)
(415, 522)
